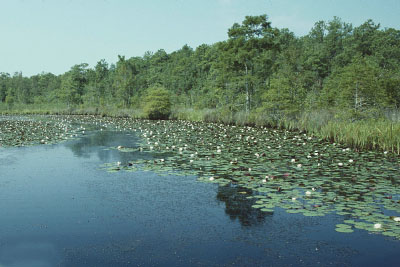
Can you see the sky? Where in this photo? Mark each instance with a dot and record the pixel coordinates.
(53, 35)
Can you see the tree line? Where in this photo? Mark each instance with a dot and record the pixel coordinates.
(258, 68)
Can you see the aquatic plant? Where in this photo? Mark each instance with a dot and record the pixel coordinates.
(363, 187)
(297, 172)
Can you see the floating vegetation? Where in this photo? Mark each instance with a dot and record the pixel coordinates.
(289, 170)
(276, 169)
(22, 132)
(35, 130)
(126, 149)
(344, 228)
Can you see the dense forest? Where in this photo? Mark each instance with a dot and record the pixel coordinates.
(259, 72)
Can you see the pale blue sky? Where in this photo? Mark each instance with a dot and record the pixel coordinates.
(53, 35)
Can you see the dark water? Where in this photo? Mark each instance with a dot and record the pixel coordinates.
(58, 208)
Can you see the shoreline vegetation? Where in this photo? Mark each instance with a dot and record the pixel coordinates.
(381, 132)
(339, 83)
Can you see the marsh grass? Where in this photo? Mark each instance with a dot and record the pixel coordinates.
(381, 132)
(55, 109)
(366, 135)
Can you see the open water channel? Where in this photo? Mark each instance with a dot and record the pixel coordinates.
(59, 207)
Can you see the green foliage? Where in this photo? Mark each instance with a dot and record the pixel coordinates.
(355, 86)
(259, 75)
(72, 85)
(157, 104)
(258, 67)
(9, 99)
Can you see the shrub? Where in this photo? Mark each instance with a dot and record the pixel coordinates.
(157, 104)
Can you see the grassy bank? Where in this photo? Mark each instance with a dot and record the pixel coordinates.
(56, 109)
(377, 131)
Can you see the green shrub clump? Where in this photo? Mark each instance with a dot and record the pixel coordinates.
(157, 105)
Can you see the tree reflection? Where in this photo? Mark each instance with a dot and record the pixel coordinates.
(103, 144)
(238, 206)
(99, 143)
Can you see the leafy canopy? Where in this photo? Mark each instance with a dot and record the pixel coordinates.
(157, 103)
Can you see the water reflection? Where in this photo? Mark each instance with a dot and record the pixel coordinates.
(238, 207)
(73, 214)
(101, 144)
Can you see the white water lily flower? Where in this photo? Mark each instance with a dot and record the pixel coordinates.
(299, 165)
(292, 160)
(264, 181)
(211, 178)
(377, 226)
(308, 193)
(293, 199)
(396, 219)
(351, 161)
(340, 164)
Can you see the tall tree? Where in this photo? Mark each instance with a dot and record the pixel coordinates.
(355, 86)
(4, 85)
(124, 81)
(246, 42)
(73, 83)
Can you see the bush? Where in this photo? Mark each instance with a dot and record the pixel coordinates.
(157, 104)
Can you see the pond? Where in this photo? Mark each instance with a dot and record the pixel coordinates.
(120, 192)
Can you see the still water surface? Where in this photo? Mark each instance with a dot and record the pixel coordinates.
(58, 208)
